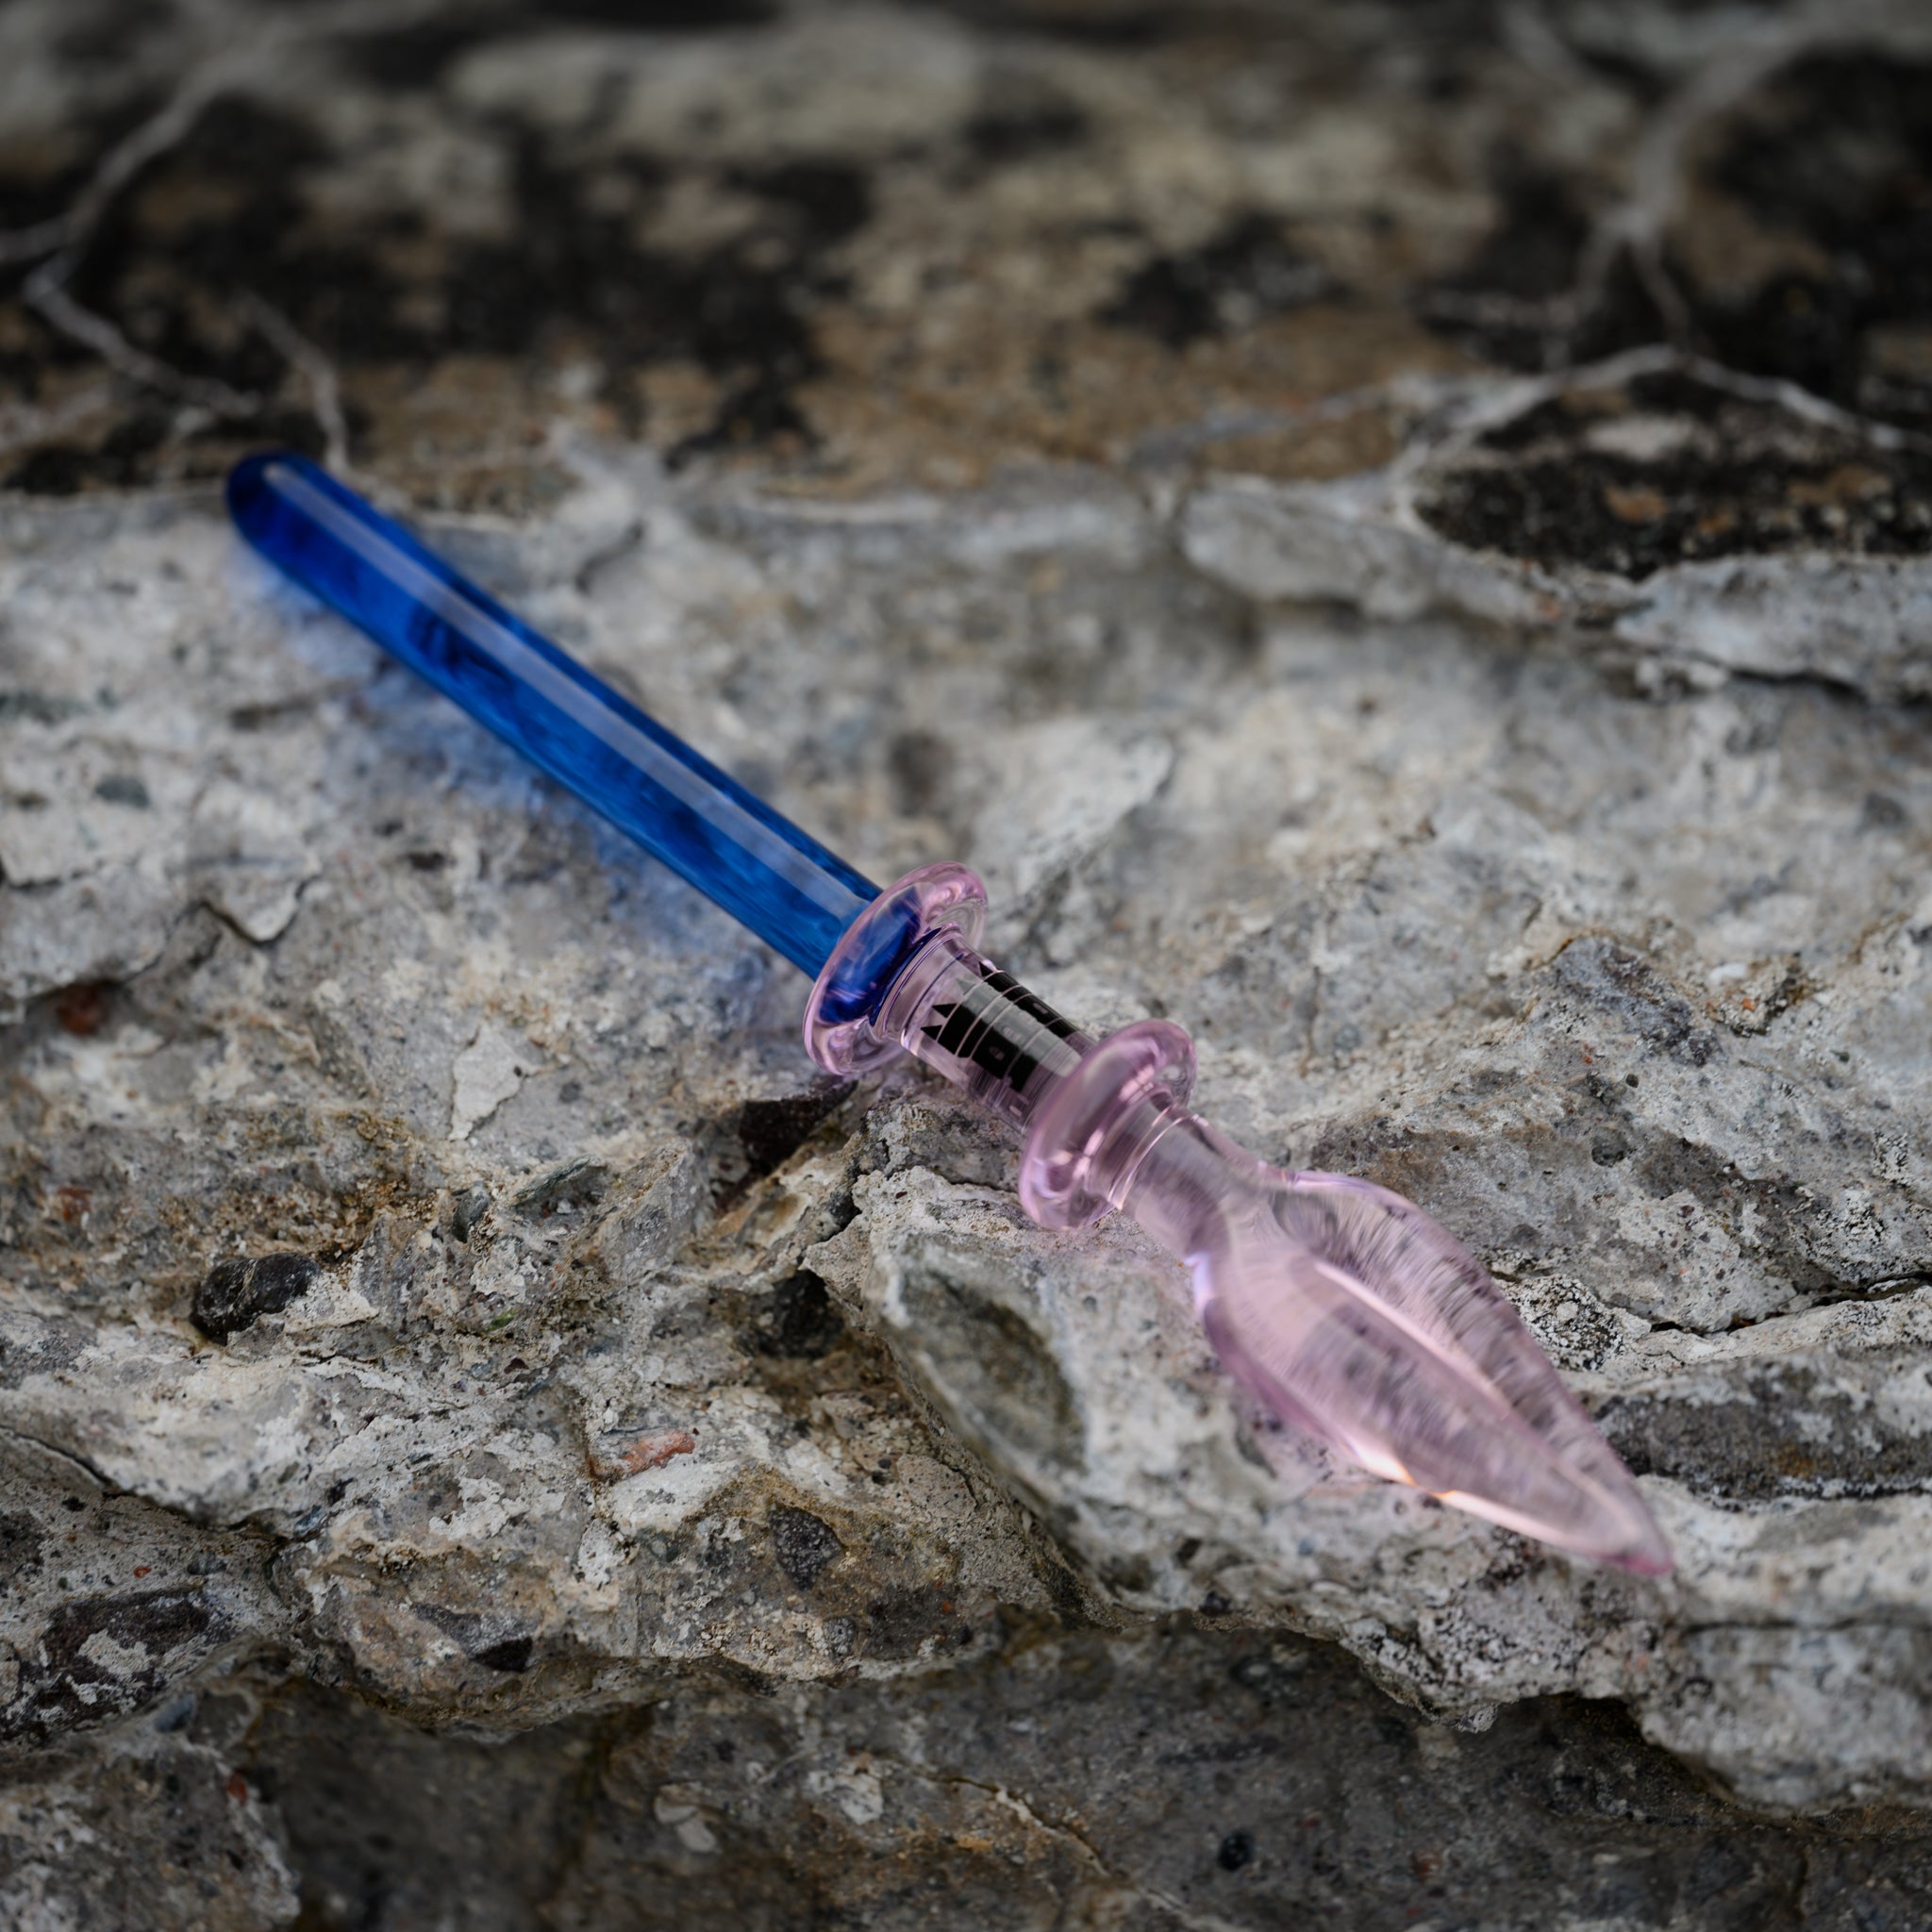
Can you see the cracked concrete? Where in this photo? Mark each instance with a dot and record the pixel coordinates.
(1353, 582)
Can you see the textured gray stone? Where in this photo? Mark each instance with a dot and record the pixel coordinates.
(1486, 957)
(1170, 1778)
(1496, 736)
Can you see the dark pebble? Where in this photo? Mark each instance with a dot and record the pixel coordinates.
(234, 1292)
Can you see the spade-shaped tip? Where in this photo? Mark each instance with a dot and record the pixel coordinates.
(1356, 1317)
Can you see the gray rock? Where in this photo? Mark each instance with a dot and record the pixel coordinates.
(1177, 1777)
(1227, 482)
(1634, 1040)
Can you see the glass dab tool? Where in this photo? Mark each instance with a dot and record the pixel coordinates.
(1344, 1306)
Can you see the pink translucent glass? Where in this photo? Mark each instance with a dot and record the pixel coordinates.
(1342, 1305)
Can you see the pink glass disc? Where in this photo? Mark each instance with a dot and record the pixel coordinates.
(1082, 1142)
(839, 1031)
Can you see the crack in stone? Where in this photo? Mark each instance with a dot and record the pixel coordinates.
(1029, 1814)
(316, 370)
(64, 239)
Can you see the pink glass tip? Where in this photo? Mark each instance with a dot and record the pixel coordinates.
(1354, 1315)
(1344, 1306)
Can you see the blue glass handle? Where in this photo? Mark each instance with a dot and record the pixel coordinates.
(707, 828)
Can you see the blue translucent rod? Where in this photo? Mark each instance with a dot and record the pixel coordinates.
(707, 828)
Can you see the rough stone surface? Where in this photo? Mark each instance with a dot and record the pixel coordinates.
(1398, 539)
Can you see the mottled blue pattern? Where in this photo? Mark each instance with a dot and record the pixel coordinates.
(794, 893)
